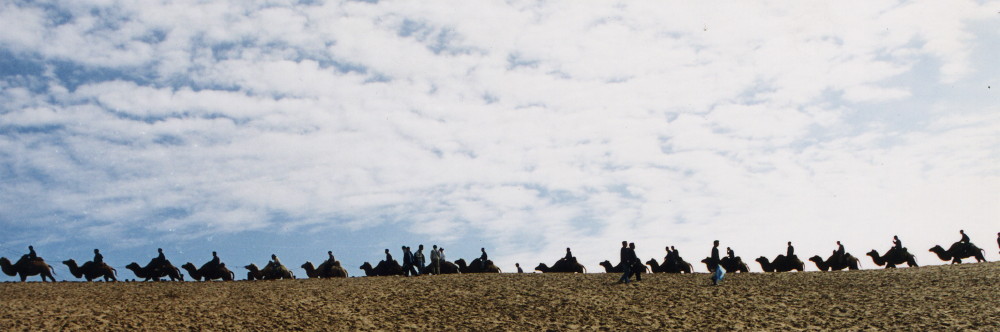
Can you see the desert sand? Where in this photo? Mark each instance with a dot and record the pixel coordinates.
(959, 297)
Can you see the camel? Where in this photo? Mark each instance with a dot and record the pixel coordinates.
(151, 272)
(958, 251)
(850, 262)
(26, 267)
(563, 266)
(209, 272)
(325, 270)
(731, 265)
(781, 264)
(893, 257)
(608, 268)
(678, 267)
(446, 268)
(474, 267)
(91, 271)
(383, 268)
(270, 272)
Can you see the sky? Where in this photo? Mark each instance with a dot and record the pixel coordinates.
(522, 127)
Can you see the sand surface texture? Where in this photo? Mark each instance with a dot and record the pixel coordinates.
(961, 297)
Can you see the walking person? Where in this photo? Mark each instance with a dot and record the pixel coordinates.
(518, 265)
(714, 260)
(626, 263)
(635, 268)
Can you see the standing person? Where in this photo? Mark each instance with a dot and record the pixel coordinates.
(441, 256)
(518, 265)
(408, 262)
(435, 260)
(714, 260)
(965, 238)
(98, 258)
(418, 258)
(635, 262)
(482, 259)
(626, 263)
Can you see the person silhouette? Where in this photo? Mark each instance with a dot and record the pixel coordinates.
(418, 258)
(275, 261)
(714, 260)
(635, 269)
(730, 253)
(31, 253)
(791, 250)
(626, 263)
(965, 238)
(388, 256)
(518, 265)
(482, 259)
(897, 243)
(215, 262)
(408, 268)
(98, 258)
(435, 260)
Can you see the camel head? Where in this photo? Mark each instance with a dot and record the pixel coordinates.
(606, 264)
(252, 267)
(8, 268)
(542, 267)
(188, 266)
(133, 266)
(366, 266)
(762, 260)
(816, 259)
(461, 263)
(308, 266)
(937, 249)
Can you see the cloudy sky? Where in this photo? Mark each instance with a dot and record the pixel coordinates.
(297, 127)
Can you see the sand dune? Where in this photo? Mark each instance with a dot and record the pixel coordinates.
(928, 298)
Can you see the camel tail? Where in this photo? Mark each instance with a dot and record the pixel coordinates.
(51, 269)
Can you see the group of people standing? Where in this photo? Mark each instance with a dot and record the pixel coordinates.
(415, 262)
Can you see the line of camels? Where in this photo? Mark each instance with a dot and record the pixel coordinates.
(159, 269)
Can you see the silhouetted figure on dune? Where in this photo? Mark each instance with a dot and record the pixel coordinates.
(959, 250)
(29, 265)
